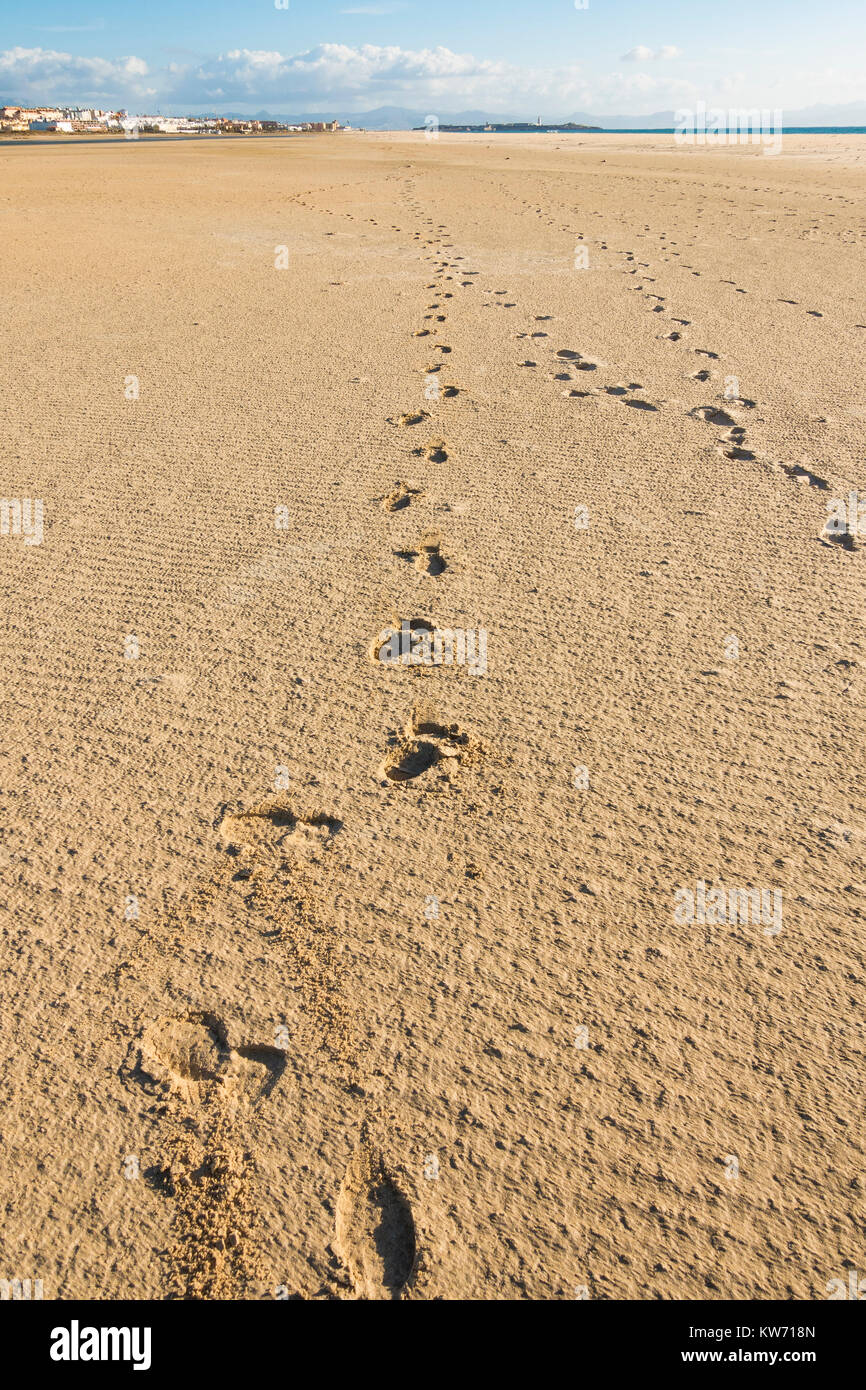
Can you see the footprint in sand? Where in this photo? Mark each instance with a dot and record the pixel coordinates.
(428, 557)
(191, 1058)
(199, 1081)
(713, 416)
(275, 828)
(434, 451)
(836, 533)
(375, 1232)
(398, 499)
(385, 649)
(578, 361)
(427, 746)
(803, 475)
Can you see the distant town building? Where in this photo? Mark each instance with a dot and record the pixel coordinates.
(79, 120)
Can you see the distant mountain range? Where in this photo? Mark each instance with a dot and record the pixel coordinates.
(404, 118)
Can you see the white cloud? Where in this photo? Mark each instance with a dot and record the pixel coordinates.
(41, 74)
(642, 54)
(348, 78)
(338, 74)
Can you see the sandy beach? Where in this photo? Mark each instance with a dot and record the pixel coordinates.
(536, 973)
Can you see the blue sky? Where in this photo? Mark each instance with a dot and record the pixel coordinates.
(541, 57)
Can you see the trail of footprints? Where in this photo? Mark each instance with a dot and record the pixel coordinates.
(203, 1086)
(725, 416)
(732, 444)
(426, 752)
(201, 1083)
(728, 416)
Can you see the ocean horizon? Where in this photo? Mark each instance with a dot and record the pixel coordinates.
(652, 130)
